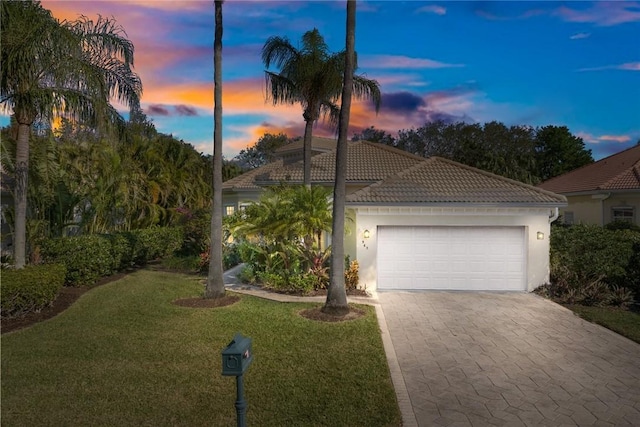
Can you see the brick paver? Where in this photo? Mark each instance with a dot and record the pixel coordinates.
(482, 358)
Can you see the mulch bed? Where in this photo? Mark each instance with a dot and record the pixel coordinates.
(317, 314)
(69, 295)
(66, 297)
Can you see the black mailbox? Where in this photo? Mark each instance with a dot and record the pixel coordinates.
(237, 356)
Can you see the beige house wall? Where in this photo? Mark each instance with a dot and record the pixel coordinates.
(533, 221)
(598, 209)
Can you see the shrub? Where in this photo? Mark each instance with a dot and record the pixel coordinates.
(121, 251)
(351, 277)
(86, 258)
(247, 275)
(589, 252)
(30, 289)
(196, 226)
(149, 244)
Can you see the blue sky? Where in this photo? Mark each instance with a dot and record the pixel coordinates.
(575, 64)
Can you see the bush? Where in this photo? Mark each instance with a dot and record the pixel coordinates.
(589, 252)
(30, 289)
(121, 251)
(196, 227)
(351, 276)
(86, 258)
(149, 244)
(591, 265)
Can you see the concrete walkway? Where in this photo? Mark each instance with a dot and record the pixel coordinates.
(474, 358)
(505, 359)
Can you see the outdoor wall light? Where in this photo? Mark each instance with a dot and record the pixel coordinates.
(540, 235)
(366, 234)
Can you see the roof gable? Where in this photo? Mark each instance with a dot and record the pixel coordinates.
(367, 162)
(620, 171)
(438, 180)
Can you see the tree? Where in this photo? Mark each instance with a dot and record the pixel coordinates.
(68, 69)
(557, 151)
(215, 280)
(311, 76)
(374, 135)
(336, 302)
(262, 152)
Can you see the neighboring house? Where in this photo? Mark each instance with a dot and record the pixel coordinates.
(601, 192)
(427, 223)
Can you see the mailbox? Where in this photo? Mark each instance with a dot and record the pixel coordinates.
(237, 356)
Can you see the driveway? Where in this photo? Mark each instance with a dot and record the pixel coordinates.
(483, 358)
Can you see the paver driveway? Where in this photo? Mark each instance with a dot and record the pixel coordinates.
(481, 358)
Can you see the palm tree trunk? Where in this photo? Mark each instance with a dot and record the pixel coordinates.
(336, 295)
(306, 151)
(215, 281)
(21, 176)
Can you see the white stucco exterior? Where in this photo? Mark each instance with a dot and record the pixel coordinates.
(533, 220)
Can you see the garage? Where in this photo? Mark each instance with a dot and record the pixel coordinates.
(451, 258)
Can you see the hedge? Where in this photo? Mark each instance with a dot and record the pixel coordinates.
(590, 252)
(90, 257)
(87, 258)
(30, 289)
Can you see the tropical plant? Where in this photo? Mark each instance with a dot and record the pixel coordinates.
(215, 282)
(59, 69)
(311, 76)
(336, 302)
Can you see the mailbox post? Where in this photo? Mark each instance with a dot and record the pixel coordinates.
(236, 358)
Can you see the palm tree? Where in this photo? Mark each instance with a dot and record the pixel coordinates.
(311, 76)
(336, 302)
(215, 281)
(51, 68)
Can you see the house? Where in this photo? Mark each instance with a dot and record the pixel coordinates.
(427, 223)
(602, 192)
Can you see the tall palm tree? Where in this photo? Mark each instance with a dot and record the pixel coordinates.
(215, 281)
(311, 76)
(336, 302)
(51, 68)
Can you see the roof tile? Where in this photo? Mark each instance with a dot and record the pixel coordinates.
(620, 171)
(438, 180)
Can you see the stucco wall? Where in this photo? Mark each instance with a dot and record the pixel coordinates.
(589, 210)
(533, 221)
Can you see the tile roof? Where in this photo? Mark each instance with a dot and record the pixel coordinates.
(620, 171)
(367, 162)
(438, 180)
(396, 176)
(317, 142)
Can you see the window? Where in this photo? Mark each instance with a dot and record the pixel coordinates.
(622, 213)
(229, 210)
(568, 217)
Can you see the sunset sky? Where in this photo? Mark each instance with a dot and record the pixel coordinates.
(536, 63)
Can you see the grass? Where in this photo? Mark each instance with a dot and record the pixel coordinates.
(124, 355)
(626, 323)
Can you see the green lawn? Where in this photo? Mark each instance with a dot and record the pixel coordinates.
(626, 323)
(123, 355)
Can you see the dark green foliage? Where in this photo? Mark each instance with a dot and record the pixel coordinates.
(87, 258)
(622, 225)
(559, 152)
(523, 153)
(30, 289)
(90, 257)
(152, 243)
(591, 265)
(121, 251)
(196, 226)
(262, 152)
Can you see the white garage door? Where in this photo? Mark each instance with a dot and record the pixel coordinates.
(455, 258)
